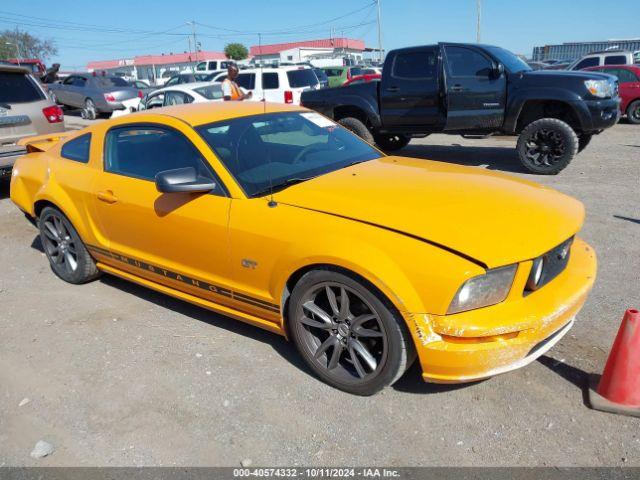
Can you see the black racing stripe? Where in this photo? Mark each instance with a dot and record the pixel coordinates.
(242, 296)
(194, 282)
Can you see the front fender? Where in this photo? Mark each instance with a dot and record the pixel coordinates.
(517, 100)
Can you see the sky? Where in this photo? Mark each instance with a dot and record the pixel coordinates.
(102, 30)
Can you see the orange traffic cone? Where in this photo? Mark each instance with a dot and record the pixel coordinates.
(618, 390)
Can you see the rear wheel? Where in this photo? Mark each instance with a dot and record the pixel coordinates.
(68, 256)
(547, 146)
(357, 127)
(391, 143)
(91, 111)
(346, 334)
(633, 112)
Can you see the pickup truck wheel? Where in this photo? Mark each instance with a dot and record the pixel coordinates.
(391, 143)
(633, 112)
(583, 141)
(357, 127)
(62, 245)
(547, 146)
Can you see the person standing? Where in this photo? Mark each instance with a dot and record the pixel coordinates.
(230, 89)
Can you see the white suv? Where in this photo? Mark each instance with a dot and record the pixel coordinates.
(211, 66)
(278, 85)
(608, 57)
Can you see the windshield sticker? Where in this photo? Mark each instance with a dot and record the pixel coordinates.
(318, 119)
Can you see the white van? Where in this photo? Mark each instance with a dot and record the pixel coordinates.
(210, 66)
(278, 85)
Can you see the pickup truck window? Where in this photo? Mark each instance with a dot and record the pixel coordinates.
(615, 60)
(464, 62)
(415, 65)
(511, 62)
(587, 62)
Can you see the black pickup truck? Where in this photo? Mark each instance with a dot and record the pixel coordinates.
(475, 90)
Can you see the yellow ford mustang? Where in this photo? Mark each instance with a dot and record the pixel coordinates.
(283, 219)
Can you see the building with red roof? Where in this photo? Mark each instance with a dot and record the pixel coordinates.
(307, 50)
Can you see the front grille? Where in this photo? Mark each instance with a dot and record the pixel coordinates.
(553, 263)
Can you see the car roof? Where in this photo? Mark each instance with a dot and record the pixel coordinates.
(187, 87)
(196, 114)
(635, 68)
(274, 69)
(13, 68)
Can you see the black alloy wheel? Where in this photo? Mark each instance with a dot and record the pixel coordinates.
(547, 146)
(67, 255)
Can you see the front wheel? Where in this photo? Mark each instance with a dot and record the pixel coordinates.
(547, 146)
(633, 112)
(346, 333)
(68, 256)
(391, 143)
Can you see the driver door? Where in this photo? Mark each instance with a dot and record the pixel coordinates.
(176, 239)
(476, 96)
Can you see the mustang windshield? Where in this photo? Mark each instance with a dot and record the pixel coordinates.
(279, 149)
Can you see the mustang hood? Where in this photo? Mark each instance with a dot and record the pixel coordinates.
(493, 218)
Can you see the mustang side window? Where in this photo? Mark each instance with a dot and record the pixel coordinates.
(144, 151)
(77, 149)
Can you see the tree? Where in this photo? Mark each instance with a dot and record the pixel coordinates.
(28, 45)
(236, 51)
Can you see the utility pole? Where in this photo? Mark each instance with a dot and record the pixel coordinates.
(479, 8)
(380, 51)
(195, 40)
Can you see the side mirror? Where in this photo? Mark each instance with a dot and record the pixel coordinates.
(498, 70)
(183, 180)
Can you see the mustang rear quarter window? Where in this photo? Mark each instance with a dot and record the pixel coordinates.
(77, 149)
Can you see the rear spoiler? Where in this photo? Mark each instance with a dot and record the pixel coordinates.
(42, 143)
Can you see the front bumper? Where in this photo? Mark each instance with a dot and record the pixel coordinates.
(482, 343)
(603, 113)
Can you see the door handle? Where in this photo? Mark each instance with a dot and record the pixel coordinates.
(457, 88)
(107, 196)
(392, 89)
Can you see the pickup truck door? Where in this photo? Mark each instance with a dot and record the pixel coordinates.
(476, 92)
(410, 91)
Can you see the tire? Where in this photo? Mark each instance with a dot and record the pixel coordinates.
(90, 109)
(633, 112)
(391, 143)
(67, 255)
(322, 326)
(357, 127)
(583, 141)
(547, 146)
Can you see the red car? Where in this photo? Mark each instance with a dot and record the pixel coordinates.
(370, 77)
(629, 78)
(34, 64)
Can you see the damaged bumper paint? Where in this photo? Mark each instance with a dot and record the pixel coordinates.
(481, 343)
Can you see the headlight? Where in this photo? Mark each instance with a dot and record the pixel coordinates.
(484, 290)
(599, 88)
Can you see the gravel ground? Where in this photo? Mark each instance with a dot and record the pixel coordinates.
(119, 375)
